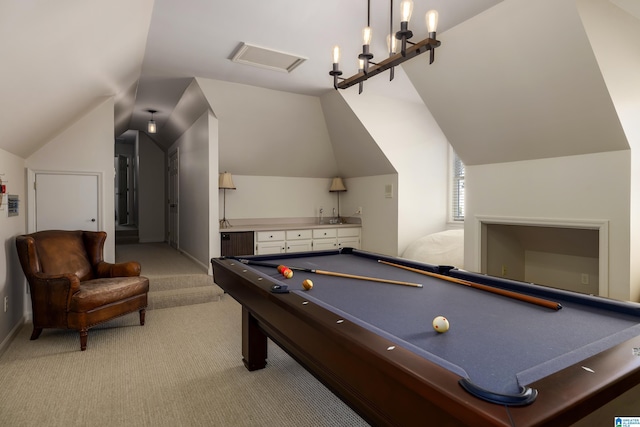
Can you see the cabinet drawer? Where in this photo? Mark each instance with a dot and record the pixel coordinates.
(348, 232)
(298, 234)
(323, 233)
(269, 236)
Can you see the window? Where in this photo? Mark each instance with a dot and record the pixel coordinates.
(457, 194)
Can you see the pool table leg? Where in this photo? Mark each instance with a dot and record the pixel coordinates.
(254, 342)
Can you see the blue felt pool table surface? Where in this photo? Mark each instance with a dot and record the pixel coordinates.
(497, 345)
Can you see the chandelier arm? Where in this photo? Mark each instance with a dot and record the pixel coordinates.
(393, 61)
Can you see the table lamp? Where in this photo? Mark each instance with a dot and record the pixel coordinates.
(225, 182)
(337, 186)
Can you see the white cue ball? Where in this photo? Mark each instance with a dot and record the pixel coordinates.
(441, 324)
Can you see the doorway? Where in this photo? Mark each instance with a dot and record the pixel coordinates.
(174, 174)
(122, 185)
(125, 188)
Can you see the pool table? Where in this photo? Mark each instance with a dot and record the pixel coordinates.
(503, 362)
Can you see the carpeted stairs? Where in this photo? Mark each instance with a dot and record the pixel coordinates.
(174, 278)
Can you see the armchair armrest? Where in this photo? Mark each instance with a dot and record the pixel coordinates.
(123, 269)
(51, 295)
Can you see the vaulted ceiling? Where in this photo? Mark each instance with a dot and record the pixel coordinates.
(504, 87)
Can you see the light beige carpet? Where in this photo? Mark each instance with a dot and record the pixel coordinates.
(174, 278)
(183, 368)
(158, 259)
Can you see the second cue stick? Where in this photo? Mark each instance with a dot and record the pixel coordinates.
(515, 295)
(332, 273)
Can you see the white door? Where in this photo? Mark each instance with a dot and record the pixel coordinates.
(66, 201)
(174, 174)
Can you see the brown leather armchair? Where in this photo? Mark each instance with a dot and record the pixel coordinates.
(71, 285)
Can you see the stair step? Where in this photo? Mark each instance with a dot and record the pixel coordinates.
(126, 237)
(164, 283)
(184, 296)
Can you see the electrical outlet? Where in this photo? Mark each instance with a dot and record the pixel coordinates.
(359, 211)
(6, 304)
(584, 279)
(504, 270)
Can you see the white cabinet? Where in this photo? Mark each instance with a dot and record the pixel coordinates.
(349, 238)
(270, 242)
(325, 239)
(298, 240)
(304, 240)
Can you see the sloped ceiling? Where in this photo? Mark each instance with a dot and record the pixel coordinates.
(513, 80)
(519, 82)
(61, 58)
(356, 153)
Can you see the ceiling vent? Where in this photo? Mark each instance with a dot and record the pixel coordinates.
(266, 58)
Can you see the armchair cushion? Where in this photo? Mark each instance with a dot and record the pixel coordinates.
(99, 292)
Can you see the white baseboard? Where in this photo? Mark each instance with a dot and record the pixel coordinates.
(7, 341)
(188, 255)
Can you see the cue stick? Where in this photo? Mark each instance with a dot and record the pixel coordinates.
(332, 273)
(522, 297)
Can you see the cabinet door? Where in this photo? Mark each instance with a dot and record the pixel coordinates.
(349, 242)
(270, 248)
(236, 243)
(298, 245)
(324, 244)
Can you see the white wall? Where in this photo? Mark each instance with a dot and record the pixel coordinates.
(193, 235)
(280, 197)
(416, 147)
(12, 281)
(615, 38)
(151, 191)
(379, 213)
(576, 188)
(264, 132)
(267, 197)
(86, 146)
(214, 225)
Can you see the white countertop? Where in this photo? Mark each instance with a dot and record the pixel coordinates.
(270, 224)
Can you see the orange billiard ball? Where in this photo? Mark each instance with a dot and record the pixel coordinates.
(287, 273)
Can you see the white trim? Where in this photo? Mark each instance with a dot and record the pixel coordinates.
(601, 225)
(4, 345)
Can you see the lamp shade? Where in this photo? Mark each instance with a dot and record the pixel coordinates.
(337, 185)
(225, 181)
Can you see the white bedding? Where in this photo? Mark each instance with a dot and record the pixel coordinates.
(443, 248)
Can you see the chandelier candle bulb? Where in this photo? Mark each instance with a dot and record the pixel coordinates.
(406, 9)
(366, 35)
(396, 54)
(432, 23)
(336, 54)
(392, 44)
